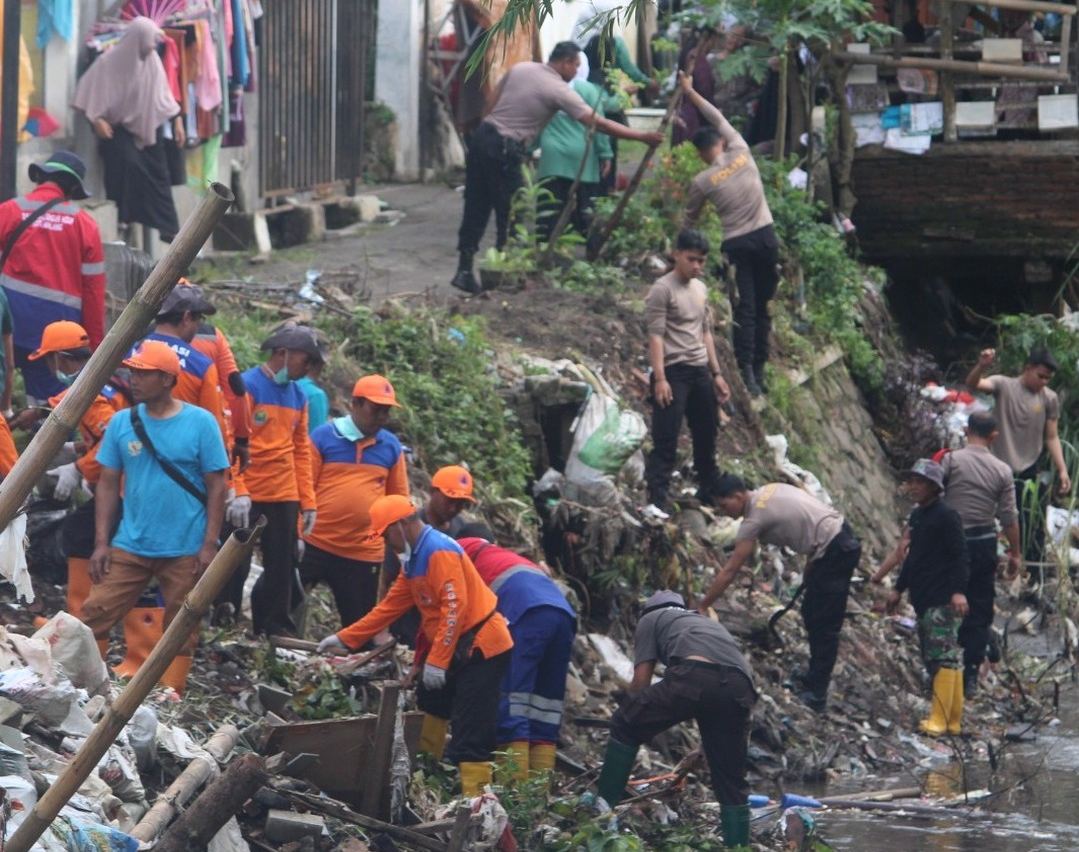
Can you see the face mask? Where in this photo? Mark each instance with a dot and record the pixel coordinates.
(64, 378)
(281, 377)
(404, 557)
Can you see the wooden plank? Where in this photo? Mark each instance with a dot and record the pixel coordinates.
(1065, 44)
(339, 811)
(460, 829)
(1027, 6)
(983, 69)
(378, 767)
(947, 81)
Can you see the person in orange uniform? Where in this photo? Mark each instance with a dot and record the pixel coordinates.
(65, 346)
(279, 479)
(470, 641)
(212, 343)
(354, 462)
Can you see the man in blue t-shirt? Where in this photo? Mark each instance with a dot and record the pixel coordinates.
(171, 520)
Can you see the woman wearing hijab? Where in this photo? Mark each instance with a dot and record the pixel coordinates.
(126, 98)
(602, 50)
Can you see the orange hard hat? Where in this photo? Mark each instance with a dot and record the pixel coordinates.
(154, 355)
(454, 481)
(389, 510)
(62, 336)
(376, 389)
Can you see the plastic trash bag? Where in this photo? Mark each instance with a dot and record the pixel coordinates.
(13, 558)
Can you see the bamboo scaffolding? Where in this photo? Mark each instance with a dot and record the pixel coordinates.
(129, 328)
(983, 69)
(197, 603)
(1026, 6)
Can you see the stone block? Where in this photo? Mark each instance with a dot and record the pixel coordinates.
(287, 826)
(243, 232)
(368, 206)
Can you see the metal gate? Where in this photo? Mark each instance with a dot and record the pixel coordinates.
(314, 81)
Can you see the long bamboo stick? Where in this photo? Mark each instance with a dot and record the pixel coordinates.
(129, 328)
(187, 783)
(983, 69)
(197, 603)
(1028, 6)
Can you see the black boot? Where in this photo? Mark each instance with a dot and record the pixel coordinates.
(750, 381)
(758, 374)
(464, 279)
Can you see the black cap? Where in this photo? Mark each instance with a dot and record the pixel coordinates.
(302, 338)
(66, 163)
(186, 297)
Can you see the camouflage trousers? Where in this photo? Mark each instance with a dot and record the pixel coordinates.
(938, 636)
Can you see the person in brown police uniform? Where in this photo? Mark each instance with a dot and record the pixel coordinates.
(980, 488)
(686, 379)
(528, 97)
(1027, 412)
(732, 183)
(787, 516)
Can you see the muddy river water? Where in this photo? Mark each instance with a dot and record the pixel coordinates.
(1036, 806)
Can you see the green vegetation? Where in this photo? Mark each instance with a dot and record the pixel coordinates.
(441, 368)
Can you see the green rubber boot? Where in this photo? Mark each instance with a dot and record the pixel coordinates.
(735, 822)
(617, 764)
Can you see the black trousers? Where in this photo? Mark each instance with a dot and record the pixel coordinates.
(470, 701)
(981, 591)
(825, 604)
(754, 256)
(272, 599)
(492, 176)
(354, 583)
(1032, 511)
(720, 698)
(581, 220)
(138, 181)
(694, 400)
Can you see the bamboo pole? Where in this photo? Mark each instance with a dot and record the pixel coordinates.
(983, 69)
(180, 791)
(594, 251)
(197, 603)
(129, 328)
(1027, 6)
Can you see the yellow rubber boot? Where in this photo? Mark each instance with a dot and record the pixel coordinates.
(78, 584)
(542, 756)
(433, 735)
(940, 703)
(176, 674)
(541, 761)
(142, 631)
(513, 766)
(474, 777)
(955, 712)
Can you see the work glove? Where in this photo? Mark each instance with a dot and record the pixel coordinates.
(433, 677)
(238, 513)
(67, 480)
(332, 645)
(309, 516)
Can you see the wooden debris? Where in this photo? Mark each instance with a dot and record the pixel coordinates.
(216, 806)
(197, 773)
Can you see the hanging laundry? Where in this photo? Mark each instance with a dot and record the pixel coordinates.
(54, 16)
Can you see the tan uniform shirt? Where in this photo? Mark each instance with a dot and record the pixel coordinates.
(979, 486)
(528, 97)
(791, 517)
(1022, 416)
(732, 183)
(679, 314)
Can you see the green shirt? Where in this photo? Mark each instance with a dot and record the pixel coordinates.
(562, 143)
